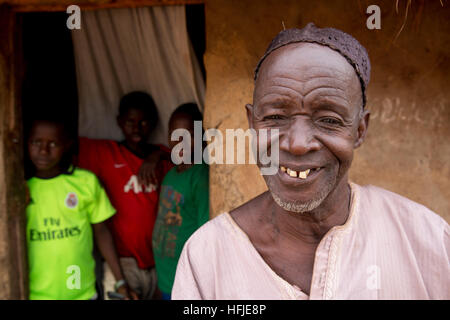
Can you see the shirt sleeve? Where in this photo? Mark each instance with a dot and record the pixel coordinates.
(201, 195)
(101, 208)
(186, 286)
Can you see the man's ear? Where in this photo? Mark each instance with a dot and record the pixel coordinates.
(362, 128)
(249, 109)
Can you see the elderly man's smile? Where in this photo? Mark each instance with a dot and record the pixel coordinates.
(307, 172)
(300, 182)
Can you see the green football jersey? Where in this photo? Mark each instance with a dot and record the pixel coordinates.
(60, 237)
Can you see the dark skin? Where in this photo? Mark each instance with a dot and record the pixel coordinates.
(136, 128)
(46, 147)
(312, 95)
(182, 121)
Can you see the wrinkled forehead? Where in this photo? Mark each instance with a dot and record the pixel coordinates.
(303, 62)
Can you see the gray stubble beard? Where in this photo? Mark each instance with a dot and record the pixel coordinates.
(297, 206)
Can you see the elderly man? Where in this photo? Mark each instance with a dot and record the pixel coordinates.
(314, 234)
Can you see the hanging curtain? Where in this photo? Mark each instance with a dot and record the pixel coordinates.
(122, 50)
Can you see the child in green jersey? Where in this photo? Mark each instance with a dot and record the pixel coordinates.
(183, 203)
(68, 208)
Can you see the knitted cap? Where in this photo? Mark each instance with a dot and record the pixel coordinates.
(335, 39)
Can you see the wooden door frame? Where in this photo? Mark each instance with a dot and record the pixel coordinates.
(13, 257)
(61, 5)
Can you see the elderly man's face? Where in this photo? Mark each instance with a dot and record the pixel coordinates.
(312, 95)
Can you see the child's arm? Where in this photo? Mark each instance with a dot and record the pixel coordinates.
(106, 246)
(147, 172)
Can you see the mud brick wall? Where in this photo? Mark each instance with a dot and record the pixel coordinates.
(407, 149)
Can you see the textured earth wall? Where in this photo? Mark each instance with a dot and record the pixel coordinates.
(407, 149)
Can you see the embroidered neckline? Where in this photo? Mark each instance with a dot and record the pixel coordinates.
(292, 290)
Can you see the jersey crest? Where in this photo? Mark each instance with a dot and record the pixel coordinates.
(71, 200)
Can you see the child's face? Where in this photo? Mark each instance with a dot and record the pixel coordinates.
(46, 146)
(181, 121)
(135, 126)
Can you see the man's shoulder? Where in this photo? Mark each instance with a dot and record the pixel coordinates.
(211, 233)
(386, 202)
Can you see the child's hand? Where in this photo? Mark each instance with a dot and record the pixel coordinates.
(127, 293)
(147, 171)
(147, 174)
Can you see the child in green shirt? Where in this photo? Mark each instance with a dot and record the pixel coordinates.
(67, 208)
(183, 203)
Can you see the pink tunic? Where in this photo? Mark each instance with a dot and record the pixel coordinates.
(389, 248)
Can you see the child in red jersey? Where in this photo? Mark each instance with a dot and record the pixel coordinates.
(117, 164)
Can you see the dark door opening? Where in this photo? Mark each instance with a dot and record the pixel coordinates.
(49, 82)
